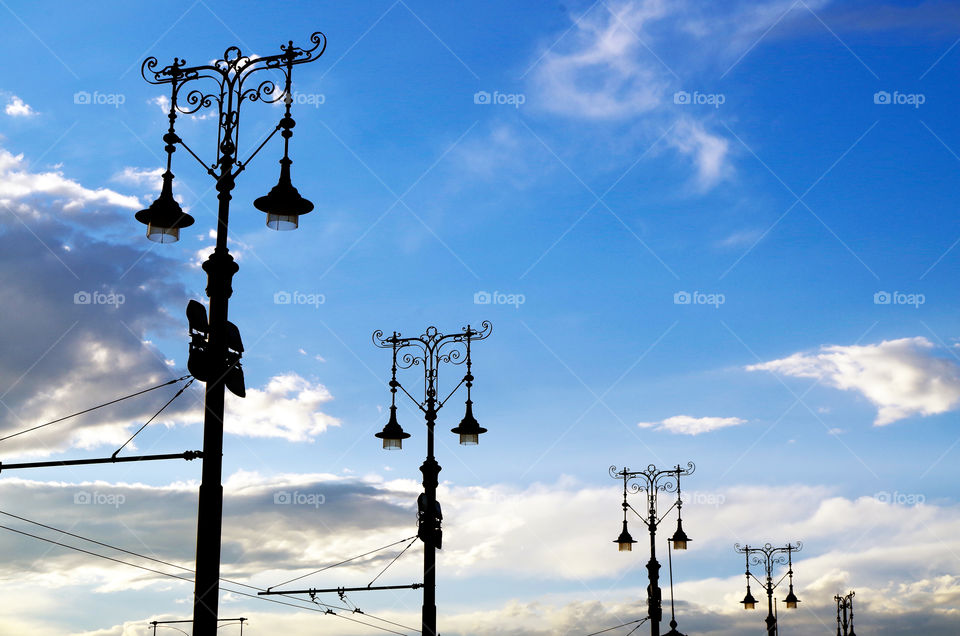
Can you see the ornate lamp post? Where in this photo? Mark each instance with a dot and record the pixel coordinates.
(845, 620)
(768, 557)
(227, 82)
(430, 350)
(652, 481)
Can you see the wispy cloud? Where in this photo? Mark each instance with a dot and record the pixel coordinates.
(901, 377)
(687, 425)
(709, 152)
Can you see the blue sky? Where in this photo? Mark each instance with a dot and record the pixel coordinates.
(787, 167)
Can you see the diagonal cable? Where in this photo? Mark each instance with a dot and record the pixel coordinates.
(99, 406)
(154, 416)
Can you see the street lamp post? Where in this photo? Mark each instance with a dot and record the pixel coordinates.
(767, 557)
(845, 614)
(652, 480)
(226, 80)
(430, 350)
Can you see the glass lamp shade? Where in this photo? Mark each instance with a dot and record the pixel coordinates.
(791, 600)
(164, 217)
(680, 537)
(392, 434)
(624, 541)
(469, 429)
(748, 601)
(283, 205)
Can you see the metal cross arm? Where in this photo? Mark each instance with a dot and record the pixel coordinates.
(188, 455)
(340, 590)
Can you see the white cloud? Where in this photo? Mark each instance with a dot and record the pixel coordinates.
(602, 75)
(238, 248)
(142, 177)
(708, 152)
(162, 102)
(741, 238)
(687, 425)
(66, 351)
(503, 532)
(16, 107)
(610, 73)
(17, 183)
(901, 377)
(288, 407)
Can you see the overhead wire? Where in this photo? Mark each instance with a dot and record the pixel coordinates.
(329, 607)
(327, 567)
(641, 621)
(94, 408)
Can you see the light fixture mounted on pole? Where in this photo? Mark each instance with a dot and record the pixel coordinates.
(651, 481)
(769, 557)
(221, 86)
(431, 350)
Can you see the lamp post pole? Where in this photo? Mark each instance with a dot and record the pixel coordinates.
(225, 79)
(653, 480)
(768, 557)
(430, 350)
(845, 619)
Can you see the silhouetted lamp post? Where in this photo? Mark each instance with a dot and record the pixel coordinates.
(768, 557)
(226, 80)
(845, 614)
(430, 350)
(652, 481)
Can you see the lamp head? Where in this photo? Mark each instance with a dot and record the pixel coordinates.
(625, 541)
(392, 434)
(748, 601)
(164, 217)
(469, 429)
(283, 205)
(680, 537)
(791, 599)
